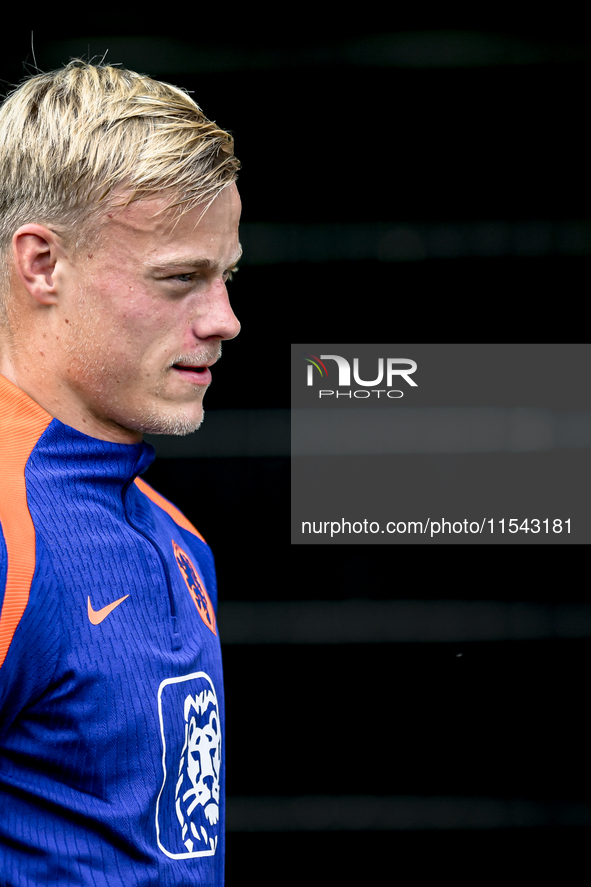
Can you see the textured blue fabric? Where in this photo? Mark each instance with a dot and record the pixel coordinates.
(111, 734)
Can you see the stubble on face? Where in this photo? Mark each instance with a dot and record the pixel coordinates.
(91, 367)
(179, 423)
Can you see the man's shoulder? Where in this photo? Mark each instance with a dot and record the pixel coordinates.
(166, 505)
(22, 422)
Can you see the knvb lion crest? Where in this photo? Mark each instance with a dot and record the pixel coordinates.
(188, 808)
(195, 586)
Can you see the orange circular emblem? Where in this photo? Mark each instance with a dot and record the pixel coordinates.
(195, 586)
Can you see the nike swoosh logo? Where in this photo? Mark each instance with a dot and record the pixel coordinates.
(97, 616)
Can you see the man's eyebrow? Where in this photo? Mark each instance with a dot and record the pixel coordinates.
(192, 262)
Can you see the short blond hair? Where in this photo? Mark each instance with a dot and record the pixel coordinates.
(69, 138)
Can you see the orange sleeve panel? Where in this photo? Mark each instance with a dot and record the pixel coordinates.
(177, 516)
(22, 422)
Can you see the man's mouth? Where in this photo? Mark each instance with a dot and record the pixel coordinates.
(189, 369)
(198, 374)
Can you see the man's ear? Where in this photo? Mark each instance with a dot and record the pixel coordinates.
(35, 251)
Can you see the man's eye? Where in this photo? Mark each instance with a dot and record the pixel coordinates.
(189, 277)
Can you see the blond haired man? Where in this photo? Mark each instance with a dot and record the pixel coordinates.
(118, 232)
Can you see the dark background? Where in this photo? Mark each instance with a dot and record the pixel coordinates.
(407, 125)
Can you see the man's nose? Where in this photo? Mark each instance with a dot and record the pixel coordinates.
(216, 317)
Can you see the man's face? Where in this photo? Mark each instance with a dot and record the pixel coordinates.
(145, 310)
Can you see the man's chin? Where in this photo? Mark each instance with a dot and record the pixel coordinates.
(179, 423)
